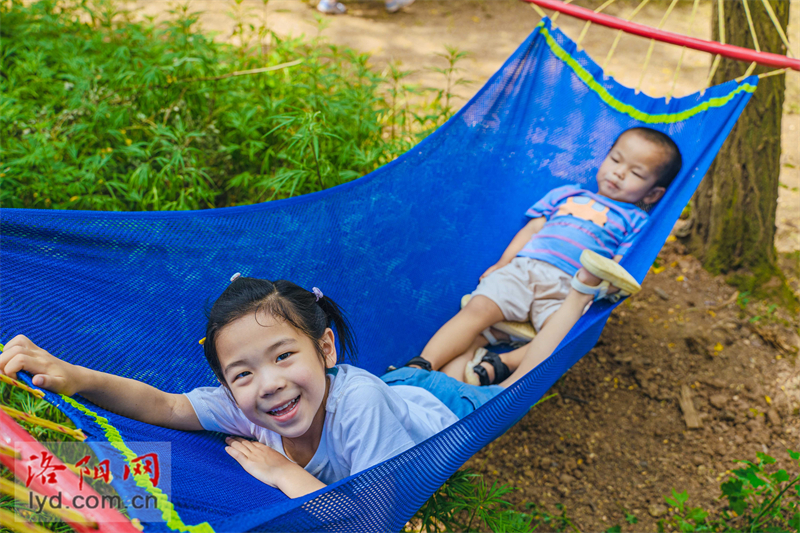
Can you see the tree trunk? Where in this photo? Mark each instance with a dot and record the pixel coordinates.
(734, 208)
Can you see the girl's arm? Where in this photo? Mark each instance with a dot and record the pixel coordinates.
(519, 241)
(126, 397)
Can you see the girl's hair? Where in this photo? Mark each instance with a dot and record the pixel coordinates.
(284, 301)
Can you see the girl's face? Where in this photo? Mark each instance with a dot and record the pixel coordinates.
(275, 374)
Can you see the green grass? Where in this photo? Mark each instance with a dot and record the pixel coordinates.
(98, 111)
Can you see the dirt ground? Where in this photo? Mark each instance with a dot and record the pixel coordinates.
(615, 439)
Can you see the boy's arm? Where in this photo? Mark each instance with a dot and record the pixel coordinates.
(126, 397)
(519, 241)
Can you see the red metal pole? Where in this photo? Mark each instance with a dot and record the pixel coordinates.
(726, 50)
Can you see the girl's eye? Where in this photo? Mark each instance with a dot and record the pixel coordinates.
(242, 375)
(283, 356)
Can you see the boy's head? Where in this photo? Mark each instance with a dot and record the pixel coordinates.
(639, 167)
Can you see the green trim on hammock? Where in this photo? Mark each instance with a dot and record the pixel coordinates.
(664, 118)
(171, 516)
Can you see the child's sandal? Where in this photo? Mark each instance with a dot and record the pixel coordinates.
(421, 362)
(475, 374)
(612, 274)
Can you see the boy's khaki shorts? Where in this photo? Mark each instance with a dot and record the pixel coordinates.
(526, 290)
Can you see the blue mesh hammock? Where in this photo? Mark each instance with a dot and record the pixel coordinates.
(125, 292)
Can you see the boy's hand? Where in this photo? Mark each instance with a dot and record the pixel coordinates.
(48, 371)
(271, 467)
(490, 270)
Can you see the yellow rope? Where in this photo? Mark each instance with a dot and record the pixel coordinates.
(538, 12)
(15, 383)
(619, 33)
(717, 58)
(10, 452)
(683, 51)
(652, 45)
(750, 24)
(764, 74)
(770, 73)
(778, 27)
(23, 494)
(589, 23)
(557, 13)
(19, 415)
(750, 69)
(14, 523)
(714, 66)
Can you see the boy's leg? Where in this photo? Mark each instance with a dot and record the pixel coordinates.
(458, 334)
(455, 368)
(558, 325)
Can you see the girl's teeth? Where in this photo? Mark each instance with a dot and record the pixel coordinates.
(283, 407)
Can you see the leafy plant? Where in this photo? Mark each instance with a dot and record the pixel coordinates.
(466, 504)
(758, 500)
(98, 111)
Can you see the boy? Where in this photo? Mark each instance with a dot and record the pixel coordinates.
(533, 276)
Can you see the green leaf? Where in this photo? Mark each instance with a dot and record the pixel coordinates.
(780, 476)
(764, 458)
(697, 514)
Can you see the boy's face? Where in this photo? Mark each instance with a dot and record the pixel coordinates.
(630, 171)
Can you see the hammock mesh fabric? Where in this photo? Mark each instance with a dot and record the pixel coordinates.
(125, 292)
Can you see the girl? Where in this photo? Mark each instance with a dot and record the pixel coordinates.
(272, 347)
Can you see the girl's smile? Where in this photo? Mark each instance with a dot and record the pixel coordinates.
(285, 411)
(277, 378)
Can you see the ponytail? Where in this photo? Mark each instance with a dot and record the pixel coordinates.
(340, 323)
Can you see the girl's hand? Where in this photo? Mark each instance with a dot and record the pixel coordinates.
(272, 468)
(48, 371)
(259, 460)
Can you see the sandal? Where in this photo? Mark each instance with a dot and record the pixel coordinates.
(518, 332)
(612, 274)
(475, 374)
(422, 363)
